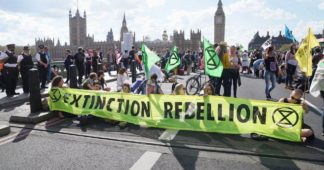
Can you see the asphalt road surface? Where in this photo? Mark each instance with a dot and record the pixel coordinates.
(62, 144)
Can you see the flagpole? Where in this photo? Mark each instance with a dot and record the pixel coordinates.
(306, 82)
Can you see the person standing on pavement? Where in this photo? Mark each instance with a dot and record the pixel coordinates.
(94, 62)
(139, 54)
(235, 69)
(2, 83)
(49, 56)
(67, 62)
(188, 62)
(290, 65)
(125, 58)
(271, 68)
(42, 64)
(79, 62)
(10, 70)
(87, 63)
(110, 60)
(25, 62)
(225, 78)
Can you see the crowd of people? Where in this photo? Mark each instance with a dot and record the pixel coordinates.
(269, 64)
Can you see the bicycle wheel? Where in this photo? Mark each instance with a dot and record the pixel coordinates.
(192, 86)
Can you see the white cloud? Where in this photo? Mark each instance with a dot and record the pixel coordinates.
(259, 9)
(301, 29)
(155, 3)
(321, 5)
(243, 19)
(22, 29)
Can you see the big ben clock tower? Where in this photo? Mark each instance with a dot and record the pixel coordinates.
(219, 24)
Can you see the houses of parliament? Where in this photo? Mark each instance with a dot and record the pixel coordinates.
(79, 37)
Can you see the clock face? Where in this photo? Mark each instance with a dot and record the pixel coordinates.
(219, 19)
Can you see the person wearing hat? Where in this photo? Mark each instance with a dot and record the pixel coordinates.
(10, 70)
(49, 61)
(42, 64)
(25, 63)
(79, 62)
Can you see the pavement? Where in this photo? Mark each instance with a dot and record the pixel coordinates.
(62, 144)
(23, 98)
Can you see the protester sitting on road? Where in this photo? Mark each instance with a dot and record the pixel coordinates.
(88, 83)
(307, 133)
(152, 86)
(54, 71)
(282, 74)
(58, 82)
(180, 89)
(122, 78)
(101, 79)
(173, 87)
(209, 89)
(141, 88)
(126, 88)
(97, 85)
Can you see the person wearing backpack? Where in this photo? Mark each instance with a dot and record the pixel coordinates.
(153, 87)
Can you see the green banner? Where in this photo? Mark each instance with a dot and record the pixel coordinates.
(174, 60)
(194, 113)
(149, 59)
(213, 65)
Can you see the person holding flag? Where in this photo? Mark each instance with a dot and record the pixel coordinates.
(289, 35)
(173, 61)
(214, 66)
(303, 54)
(149, 59)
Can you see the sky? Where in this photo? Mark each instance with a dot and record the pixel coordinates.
(21, 21)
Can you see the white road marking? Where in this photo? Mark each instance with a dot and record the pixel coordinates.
(168, 135)
(146, 161)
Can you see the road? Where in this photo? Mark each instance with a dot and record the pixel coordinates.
(62, 144)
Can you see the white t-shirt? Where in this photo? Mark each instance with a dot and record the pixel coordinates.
(122, 79)
(20, 57)
(245, 60)
(156, 70)
(37, 56)
(3, 55)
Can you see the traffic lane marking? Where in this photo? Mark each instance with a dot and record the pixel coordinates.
(146, 161)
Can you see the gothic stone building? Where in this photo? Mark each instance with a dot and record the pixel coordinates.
(219, 24)
(80, 37)
(278, 41)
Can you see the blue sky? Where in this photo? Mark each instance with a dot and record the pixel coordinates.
(24, 20)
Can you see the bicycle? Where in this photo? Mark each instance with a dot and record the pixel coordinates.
(195, 84)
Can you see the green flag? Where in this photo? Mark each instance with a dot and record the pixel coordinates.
(213, 65)
(149, 59)
(174, 60)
